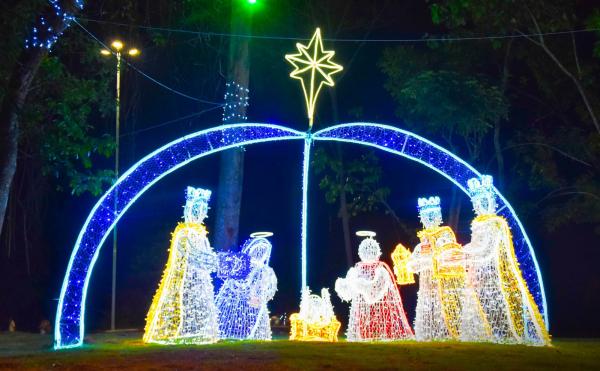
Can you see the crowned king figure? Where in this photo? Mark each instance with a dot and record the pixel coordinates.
(183, 309)
(440, 286)
(242, 301)
(498, 283)
(376, 312)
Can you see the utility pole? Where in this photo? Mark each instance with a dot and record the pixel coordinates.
(117, 47)
(231, 175)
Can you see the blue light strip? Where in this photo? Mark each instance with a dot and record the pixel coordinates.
(305, 167)
(404, 143)
(69, 323)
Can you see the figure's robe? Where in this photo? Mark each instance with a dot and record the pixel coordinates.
(439, 301)
(376, 312)
(243, 312)
(183, 308)
(498, 283)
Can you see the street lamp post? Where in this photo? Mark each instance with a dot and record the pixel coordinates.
(116, 50)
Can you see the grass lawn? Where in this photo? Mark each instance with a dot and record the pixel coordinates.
(120, 350)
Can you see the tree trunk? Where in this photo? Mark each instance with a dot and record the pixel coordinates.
(18, 88)
(498, 125)
(455, 209)
(343, 214)
(231, 175)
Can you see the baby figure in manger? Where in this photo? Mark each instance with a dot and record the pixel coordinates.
(315, 321)
(242, 300)
(376, 312)
(495, 278)
(183, 309)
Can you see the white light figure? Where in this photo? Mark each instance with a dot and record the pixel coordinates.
(376, 312)
(440, 288)
(495, 274)
(242, 302)
(183, 309)
(315, 321)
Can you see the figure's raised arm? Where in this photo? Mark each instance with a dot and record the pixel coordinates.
(374, 290)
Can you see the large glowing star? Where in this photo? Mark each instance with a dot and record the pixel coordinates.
(69, 325)
(313, 67)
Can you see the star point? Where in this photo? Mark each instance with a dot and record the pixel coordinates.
(313, 67)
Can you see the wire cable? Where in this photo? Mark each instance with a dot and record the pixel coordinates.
(164, 86)
(406, 40)
(193, 115)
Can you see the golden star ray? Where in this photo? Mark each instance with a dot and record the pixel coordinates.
(314, 68)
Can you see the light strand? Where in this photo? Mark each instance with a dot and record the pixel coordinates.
(424, 38)
(162, 85)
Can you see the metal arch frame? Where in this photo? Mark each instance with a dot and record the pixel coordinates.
(104, 217)
(525, 252)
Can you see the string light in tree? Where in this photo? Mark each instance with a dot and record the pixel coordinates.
(236, 101)
(494, 271)
(377, 312)
(183, 309)
(315, 321)
(242, 300)
(51, 25)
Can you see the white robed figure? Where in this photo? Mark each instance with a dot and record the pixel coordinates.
(495, 275)
(183, 309)
(376, 312)
(441, 304)
(242, 302)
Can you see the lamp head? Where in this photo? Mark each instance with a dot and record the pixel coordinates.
(117, 45)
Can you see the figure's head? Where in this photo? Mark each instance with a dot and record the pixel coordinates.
(430, 211)
(482, 195)
(196, 204)
(259, 250)
(369, 250)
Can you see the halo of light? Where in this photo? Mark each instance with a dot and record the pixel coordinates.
(261, 234)
(370, 234)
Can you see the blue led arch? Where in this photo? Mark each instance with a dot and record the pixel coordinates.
(404, 143)
(69, 324)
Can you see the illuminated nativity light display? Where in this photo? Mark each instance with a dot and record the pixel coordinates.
(489, 290)
(183, 309)
(315, 321)
(376, 312)
(243, 297)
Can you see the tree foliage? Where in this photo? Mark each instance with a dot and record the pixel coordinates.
(359, 178)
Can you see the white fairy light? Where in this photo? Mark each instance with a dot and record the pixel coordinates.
(236, 100)
(242, 302)
(438, 310)
(315, 321)
(495, 276)
(376, 312)
(183, 309)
